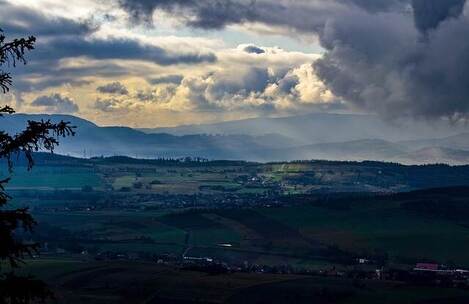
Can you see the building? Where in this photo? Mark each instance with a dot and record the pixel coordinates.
(427, 267)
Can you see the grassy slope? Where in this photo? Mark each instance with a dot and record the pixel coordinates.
(298, 231)
(76, 281)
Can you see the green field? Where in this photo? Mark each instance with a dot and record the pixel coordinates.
(295, 234)
(78, 281)
(63, 177)
(309, 216)
(400, 234)
(173, 177)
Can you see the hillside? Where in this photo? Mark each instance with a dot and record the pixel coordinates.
(122, 223)
(355, 138)
(326, 128)
(358, 150)
(93, 140)
(458, 141)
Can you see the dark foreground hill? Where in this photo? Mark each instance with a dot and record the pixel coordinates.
(124, 230)
(75, 281)
(303, 253)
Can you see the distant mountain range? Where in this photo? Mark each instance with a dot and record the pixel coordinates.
(458, 141)
(381, 150)
(327, 128)
(316, 136)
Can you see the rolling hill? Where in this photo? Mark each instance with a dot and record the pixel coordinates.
(318, 136)
(326, 128)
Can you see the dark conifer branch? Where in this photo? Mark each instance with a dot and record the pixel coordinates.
(37, 136)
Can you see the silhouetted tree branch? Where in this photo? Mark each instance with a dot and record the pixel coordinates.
(38, 135)
(11, 53)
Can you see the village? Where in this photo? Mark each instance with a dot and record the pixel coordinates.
(361, 270)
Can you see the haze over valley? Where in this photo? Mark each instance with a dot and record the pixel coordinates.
(234, 151)
(309, 137)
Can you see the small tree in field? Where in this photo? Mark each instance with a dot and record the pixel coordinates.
(37, 135)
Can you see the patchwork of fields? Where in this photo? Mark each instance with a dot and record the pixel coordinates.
(194, 177)
(293, 217)
(129, 205)
(76, 281)
(295, 235)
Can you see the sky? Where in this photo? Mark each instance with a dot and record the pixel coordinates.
(155, 63)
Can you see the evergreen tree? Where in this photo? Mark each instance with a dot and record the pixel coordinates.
(37, 135)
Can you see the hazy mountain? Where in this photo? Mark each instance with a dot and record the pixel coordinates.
(92, 140)
(260, 144)
(437, 155)
(326, 128)
(369, 149)
(376, 150)
(459, 141)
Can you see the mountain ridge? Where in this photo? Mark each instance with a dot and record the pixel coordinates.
(325, 127)
(94, 140)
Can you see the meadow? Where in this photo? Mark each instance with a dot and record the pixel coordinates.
(296, 235)
(77, 281)
(309, 216)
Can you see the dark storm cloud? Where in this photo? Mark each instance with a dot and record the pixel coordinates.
(394, 57)
(430, 13)
(47, 73)
(377, 5)
(287, 83)
(252, 49)
(252, 80)
(106, 105)
(168, 79)
(19, 21)
(216, 14)
(124, 49)
(400, 66)
(207, 14)
(62, 38)
(56, 103)
(43, 62)
(116, 88)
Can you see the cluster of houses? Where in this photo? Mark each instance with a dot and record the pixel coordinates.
(443, 274)
(430, 274)
(422, 273)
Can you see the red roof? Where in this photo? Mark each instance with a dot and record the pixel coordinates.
(427, 266)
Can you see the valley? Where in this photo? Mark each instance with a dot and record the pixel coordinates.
(285, 222)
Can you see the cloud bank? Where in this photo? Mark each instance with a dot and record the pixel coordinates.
(61, 40)
(56, 103)
(393, 57)
(113, 88)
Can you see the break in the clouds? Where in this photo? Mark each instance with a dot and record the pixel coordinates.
(61, 39)
(161, 62)
(396, 57)
(56, 103)
(275, 81)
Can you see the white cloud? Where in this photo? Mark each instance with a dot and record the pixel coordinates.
(171, 75)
